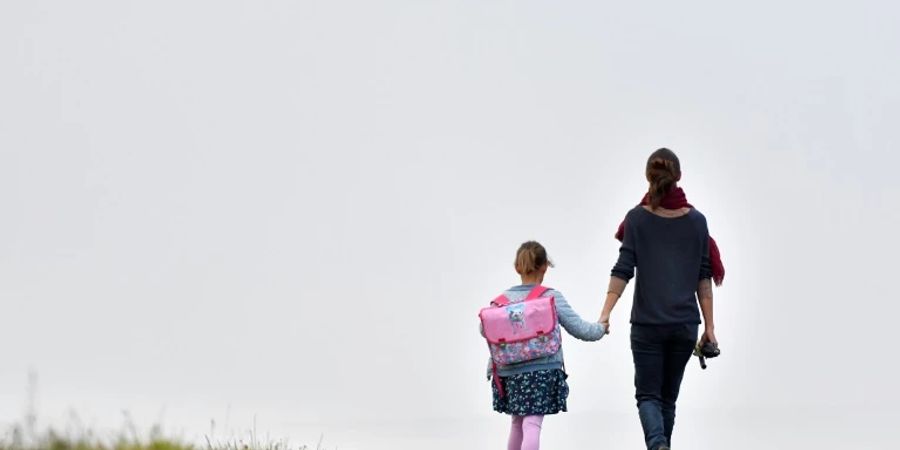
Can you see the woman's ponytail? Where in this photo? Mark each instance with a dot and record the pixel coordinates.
(663, 171)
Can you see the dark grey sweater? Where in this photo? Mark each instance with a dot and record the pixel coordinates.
(671, 256)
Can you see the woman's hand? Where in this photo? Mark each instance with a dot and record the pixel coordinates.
(709, 336)
(604, 320)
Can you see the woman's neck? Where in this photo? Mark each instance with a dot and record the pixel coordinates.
(667, 213)
(532, 280)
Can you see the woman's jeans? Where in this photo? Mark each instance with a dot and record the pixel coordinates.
(660, 354)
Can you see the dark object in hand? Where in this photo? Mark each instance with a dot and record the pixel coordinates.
(707, 350)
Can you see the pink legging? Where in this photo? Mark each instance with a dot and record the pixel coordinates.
(525, 433)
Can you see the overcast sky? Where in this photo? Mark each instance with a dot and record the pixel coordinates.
(295, 209)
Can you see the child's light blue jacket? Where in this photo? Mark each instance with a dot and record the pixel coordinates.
(568, 318)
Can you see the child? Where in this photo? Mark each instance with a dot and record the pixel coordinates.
(529, 390)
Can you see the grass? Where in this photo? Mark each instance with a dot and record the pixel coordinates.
(77, 437)
(21, 438)
(26, 436)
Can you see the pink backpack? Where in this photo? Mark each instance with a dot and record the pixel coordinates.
(521, 331)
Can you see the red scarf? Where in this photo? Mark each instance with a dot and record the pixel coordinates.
(676, 199)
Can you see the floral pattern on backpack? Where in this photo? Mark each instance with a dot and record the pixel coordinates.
(521, 331)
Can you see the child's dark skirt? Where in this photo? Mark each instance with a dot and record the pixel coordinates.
(542, 392)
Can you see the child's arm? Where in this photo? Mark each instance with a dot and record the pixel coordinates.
(573, 323)
(490, 365)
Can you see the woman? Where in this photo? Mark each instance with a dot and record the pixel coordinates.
(666, 239)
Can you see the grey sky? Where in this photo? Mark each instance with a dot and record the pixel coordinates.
(295, 209)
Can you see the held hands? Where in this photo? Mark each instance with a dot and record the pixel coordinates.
(604, 320)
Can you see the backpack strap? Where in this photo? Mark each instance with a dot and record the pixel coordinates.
(497, 382)
(501, 300)
(537, 292)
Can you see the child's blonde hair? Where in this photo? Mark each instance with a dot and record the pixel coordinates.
(531, 257)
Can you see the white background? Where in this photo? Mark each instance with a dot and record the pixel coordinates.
(289, 212)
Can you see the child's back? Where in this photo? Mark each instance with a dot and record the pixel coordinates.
(531, 389)
(568, 318)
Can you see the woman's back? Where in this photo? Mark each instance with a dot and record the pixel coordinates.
(671, 256)
(667, 241)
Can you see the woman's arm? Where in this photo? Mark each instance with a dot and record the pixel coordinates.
(705, 294)
(616, 288)
(705, 291)
(622, 272)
